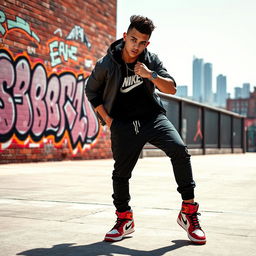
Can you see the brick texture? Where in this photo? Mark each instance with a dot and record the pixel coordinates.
(47, 50)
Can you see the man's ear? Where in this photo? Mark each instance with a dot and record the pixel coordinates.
(147, 44)
(124, 36)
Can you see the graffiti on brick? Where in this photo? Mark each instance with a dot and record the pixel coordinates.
(18, 23)
(60, 51)
(35, 105)
(41, 106)
(77, 33)
(64, 51)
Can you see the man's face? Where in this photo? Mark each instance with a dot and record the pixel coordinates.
(135, 43)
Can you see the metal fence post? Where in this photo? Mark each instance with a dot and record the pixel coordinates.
(203, 130)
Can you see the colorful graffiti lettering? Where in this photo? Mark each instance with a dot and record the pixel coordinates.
(60, 50)
(34, 104)
(2, 20)
(77, 33)
(19, 23)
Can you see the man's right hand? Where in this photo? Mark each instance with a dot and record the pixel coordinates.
(103, 113)
(108, 121)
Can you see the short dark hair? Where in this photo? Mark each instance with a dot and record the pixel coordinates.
(143, 24)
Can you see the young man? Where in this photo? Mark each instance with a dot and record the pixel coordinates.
(121, 88)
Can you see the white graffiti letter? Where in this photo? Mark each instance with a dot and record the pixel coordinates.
(54, 54)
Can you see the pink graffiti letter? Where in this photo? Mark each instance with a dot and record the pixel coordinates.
(80, 126)
(51, 98)
(37, 93)
(67, 91)
(7, 108)
(21, 97)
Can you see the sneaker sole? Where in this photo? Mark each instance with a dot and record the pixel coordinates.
(195, 241)
(118, 238)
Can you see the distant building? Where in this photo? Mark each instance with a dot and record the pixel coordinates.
(198, 80)
(246, 90)
(244, 106)
(215, 99)
(242, 92)
(208, 96)
(239, 106)
(182, 91)
(221, 93)
(202, 81)
(238, 92)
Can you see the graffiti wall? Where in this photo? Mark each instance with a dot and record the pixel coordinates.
(47, 51)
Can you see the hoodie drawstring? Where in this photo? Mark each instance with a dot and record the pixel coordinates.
(136, 125)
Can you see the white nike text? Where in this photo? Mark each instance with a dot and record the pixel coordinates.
(130, 83)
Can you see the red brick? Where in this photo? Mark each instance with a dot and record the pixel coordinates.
(44, 18)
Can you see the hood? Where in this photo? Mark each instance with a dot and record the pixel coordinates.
(115, 51)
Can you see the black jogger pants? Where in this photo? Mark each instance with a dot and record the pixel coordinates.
(129, 137)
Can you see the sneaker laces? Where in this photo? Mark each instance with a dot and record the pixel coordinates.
(119, 222)
(195, 220)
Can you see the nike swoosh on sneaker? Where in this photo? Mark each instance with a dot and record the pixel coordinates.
(128, 226)
(184, 221)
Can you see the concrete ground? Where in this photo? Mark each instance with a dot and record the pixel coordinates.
(65, 208)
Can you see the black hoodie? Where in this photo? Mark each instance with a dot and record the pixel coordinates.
(133, 101)
(103, 85)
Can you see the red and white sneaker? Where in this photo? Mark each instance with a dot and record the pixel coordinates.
(188, 220)
(124, 226)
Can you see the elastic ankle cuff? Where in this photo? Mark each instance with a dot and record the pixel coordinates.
(188, 196)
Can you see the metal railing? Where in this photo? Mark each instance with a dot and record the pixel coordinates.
(204, 129)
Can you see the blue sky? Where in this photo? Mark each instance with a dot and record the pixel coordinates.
(221, 32)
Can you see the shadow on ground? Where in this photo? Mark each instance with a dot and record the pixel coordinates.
(102, 249)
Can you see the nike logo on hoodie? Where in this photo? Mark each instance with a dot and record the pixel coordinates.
(130, 83)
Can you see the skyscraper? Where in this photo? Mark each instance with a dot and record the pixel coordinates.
(208, 97)
(246, 90)
(221, 91)
(238, 92)
(198, 80)
(182, 91)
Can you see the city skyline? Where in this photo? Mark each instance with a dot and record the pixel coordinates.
(207, 89)
(187, 28)
(202, 90)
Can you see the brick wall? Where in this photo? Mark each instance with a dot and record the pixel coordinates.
(47, 50)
